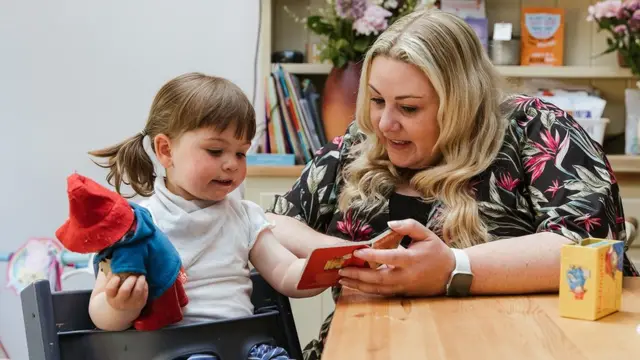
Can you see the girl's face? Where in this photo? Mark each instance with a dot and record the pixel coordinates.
(203, 164)
(403, 112)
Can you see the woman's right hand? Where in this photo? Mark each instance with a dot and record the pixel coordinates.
(131, 295)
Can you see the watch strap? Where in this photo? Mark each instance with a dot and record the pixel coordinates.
(463, 265)
(462, 268)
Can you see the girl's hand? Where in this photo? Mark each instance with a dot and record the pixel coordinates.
(130, 296)
(423, 269)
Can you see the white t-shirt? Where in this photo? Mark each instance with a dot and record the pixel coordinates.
(213, 240)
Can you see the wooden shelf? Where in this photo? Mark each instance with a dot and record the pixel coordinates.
(624, 163)
(621, 164)
(557, 72)
(307, 69)
(566, 72)
(275, 171)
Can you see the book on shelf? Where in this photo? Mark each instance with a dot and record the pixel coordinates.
(293, 118)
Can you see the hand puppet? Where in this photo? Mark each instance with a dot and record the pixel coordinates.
(127, 242)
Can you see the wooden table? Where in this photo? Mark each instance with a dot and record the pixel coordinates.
(520, 327)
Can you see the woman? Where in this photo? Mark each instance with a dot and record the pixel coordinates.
(508, 179)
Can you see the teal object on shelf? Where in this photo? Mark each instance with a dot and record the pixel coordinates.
(271, 159)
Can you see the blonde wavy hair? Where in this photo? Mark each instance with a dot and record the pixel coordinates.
(470, 117)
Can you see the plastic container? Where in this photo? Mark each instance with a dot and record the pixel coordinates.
(595, 128)
(505, 52)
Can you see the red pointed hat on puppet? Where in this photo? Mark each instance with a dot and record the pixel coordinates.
(98, 217)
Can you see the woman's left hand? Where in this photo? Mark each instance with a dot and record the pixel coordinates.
(422, 269)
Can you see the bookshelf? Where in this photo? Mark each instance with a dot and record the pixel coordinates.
(548, 72)
(582, 42)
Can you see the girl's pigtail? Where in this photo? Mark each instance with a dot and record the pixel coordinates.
(129, 164)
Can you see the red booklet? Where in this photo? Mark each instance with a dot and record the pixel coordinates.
(321, 268)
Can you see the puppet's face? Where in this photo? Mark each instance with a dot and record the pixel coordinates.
(105, 267)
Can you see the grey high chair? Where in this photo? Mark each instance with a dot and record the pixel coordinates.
(58, 327)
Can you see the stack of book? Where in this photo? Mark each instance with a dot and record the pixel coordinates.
(294, 130)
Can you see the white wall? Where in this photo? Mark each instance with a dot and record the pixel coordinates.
(77, 75)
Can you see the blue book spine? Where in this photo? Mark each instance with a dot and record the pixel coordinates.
(271, 159)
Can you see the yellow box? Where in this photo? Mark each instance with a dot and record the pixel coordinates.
(591, 278)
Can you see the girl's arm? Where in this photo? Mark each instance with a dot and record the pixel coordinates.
(114, 307)
(279, 266)
(298, 237)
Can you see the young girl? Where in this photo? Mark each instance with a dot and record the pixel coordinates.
(199, 130)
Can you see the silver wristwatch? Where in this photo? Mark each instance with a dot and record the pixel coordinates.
(461, 277)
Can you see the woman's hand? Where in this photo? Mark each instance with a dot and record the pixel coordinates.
(130, 296)
(423, 269)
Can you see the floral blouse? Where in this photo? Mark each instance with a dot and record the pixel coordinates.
(548, 176)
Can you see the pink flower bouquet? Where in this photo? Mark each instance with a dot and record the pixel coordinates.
(622, 20)
(351, 26)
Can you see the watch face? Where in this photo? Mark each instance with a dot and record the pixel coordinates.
(460, 284)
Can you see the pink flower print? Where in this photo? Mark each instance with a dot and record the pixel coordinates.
(588, 222)
(539, 104)
(619, 219)
(554, 226)
(536, 164)
(507, 182)
(553, 143)
(338, 140)
(356, 229)
(611, 173)
(522, 100)
(554, 188)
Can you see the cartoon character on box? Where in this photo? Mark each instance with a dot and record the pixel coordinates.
(613, 260)
(127, 242)
(577, 278)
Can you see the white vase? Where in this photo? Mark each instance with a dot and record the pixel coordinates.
(632, 127)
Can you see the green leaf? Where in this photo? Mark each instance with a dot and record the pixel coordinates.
(319, 26)
(328, 53)
(341, 44)
(345, 30)
(361, 44)
(340, 61)
(611, 49)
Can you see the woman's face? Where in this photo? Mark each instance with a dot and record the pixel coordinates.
(403, 112)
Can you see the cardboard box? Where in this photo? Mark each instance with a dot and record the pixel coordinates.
(542, 40)
(591, 279)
